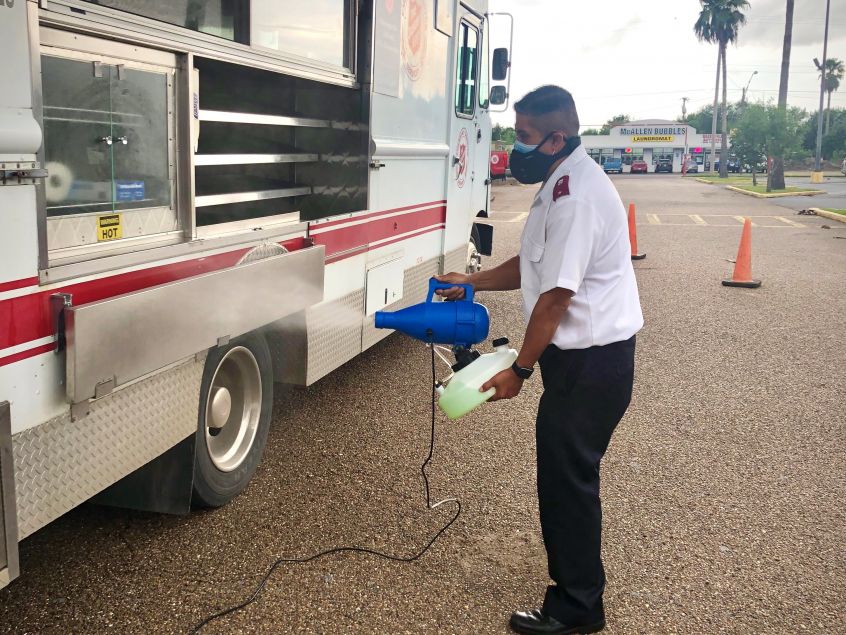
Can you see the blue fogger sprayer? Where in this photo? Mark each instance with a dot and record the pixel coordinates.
(454, 327)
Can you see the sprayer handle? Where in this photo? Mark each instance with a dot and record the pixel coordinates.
(434, 284)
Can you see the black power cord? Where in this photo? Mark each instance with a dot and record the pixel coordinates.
(387, 556)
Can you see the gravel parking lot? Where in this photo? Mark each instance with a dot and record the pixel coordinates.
(723, 486)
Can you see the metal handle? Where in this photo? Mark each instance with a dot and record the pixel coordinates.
(376, 165)
(110, 140)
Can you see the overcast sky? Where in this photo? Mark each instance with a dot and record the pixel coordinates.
(641, 58)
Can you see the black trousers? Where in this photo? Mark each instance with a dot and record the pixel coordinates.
(586, 393)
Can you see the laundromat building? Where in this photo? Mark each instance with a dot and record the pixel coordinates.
(651, 140)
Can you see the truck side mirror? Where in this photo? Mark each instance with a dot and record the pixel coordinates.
(500, 64)
(499, 95)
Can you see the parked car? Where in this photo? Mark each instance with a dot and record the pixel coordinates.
(639, 166)
(499, 164)
(760, 167)
(664, 165)
(691, 166)
(613, 165)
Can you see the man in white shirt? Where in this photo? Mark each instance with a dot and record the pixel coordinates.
(582, 313)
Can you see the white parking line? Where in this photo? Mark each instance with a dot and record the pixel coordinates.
(696, 218)
(653, 219)
(787, 221)
(742, 220)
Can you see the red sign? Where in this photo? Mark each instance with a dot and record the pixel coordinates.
(461, 154)
(415, 37)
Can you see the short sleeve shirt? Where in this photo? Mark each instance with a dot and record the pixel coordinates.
(576, 238)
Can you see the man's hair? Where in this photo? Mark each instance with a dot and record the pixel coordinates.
(552, 107)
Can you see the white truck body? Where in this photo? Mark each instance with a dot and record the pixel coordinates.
(202, 183)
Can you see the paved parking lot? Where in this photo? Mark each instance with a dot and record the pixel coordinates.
(723, 487)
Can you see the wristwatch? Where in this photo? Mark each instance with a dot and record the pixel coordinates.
(522, 373)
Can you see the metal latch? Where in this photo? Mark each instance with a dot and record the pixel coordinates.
(376, 164)
(58, 303)
(21, 173)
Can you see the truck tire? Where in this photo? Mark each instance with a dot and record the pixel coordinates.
(236, 403)
(474, 258)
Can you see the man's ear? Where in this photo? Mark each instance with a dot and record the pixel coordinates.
(557, 141)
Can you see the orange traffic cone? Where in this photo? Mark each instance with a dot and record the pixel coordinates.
(633, 233)
(742, 276)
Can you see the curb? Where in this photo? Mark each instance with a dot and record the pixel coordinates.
(831, 215)
(777, 195)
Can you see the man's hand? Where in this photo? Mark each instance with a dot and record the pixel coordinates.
(507, 385)
(453, 293)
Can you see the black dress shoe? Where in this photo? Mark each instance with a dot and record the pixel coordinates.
(536, 622)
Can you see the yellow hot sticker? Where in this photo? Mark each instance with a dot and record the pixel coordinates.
(109, 227)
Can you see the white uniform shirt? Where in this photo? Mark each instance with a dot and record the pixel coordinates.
(576, 238)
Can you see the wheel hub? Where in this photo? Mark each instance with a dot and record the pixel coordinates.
(233, 409)
(221, 407)
(474, 258)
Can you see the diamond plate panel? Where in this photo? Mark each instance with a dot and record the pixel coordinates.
(414, 288)
(456, 260)
(74, 231)
(334, 334)
(62, 463)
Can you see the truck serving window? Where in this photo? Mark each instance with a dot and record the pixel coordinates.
(223, 18)
(465, 81)
(271, 144)
(319, 29)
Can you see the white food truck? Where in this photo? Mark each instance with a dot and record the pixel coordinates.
(199, 198)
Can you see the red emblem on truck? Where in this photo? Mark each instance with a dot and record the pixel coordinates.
(562, 188)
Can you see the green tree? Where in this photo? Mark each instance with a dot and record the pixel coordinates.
(775, 175)
(833, 74)
(615, 120)
(590, 132)
(718, 23)
(701, 119)
(750, 138)
(505, 134)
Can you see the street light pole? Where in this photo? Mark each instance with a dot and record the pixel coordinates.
(743, 98)
(817, 175)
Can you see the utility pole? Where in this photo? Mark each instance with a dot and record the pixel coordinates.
(817, 175)
(684, 121)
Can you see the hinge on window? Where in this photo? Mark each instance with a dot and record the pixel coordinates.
(24, 173)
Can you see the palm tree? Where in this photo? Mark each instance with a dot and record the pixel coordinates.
(833, 74)
(719, 22)
(775, 175)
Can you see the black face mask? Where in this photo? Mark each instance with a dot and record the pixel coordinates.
(533, 166)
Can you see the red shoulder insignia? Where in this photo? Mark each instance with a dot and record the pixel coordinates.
(562, 188)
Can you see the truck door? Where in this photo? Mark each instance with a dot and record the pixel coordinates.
(467, 139)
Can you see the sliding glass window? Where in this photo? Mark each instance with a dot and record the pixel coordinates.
(319, 29)
(223, 18)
